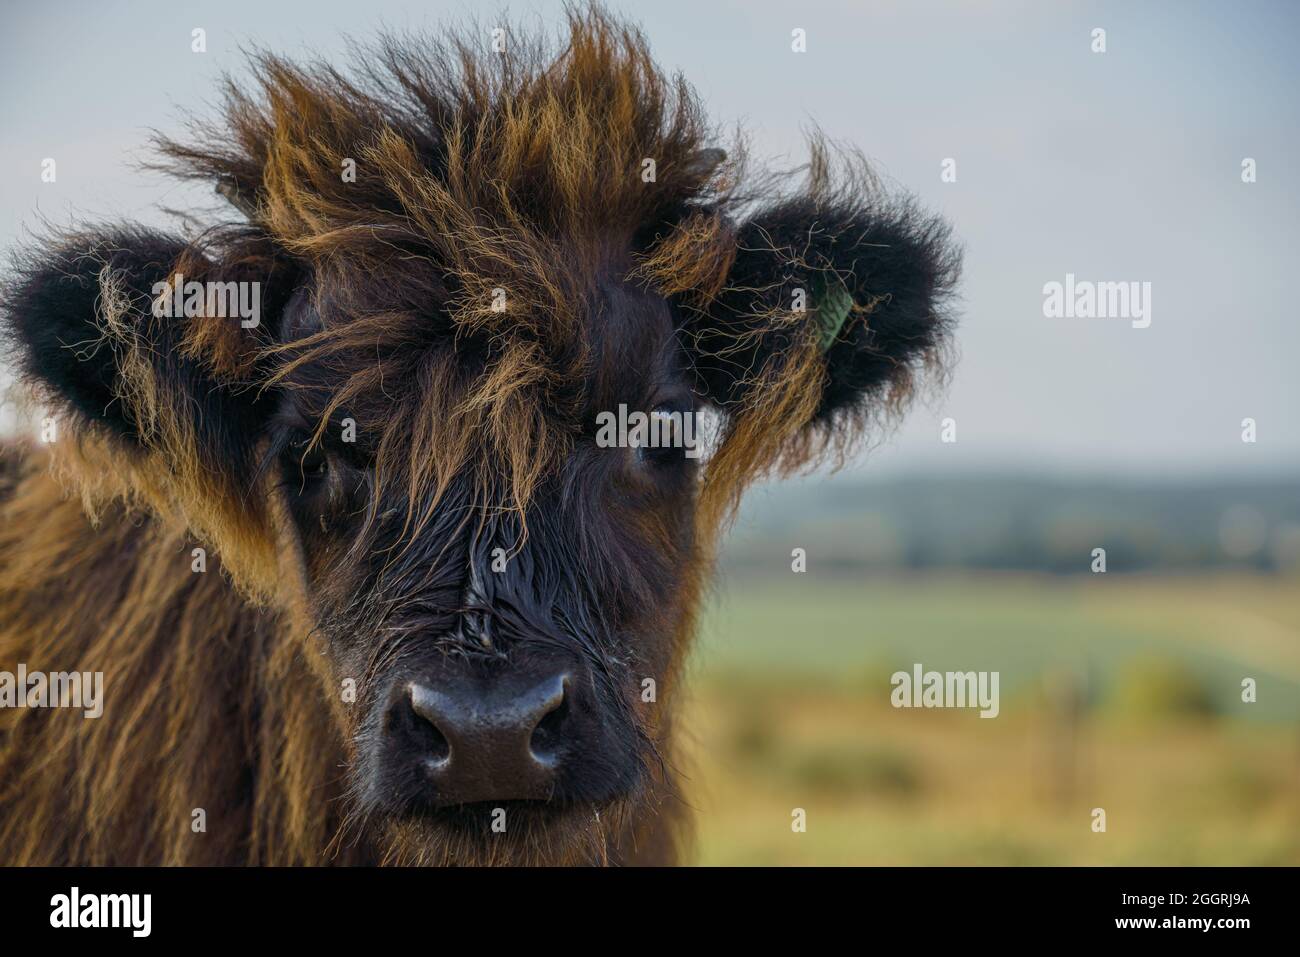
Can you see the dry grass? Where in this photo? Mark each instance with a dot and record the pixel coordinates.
(885, 786)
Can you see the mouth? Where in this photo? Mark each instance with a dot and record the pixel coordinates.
(479, 817)
(506, 833)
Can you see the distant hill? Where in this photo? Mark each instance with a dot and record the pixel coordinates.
(1011, 522)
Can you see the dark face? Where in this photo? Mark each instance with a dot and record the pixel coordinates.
(506, 662)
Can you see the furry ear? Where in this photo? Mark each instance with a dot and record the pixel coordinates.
(82, 317)
(848, 273)
(160, 383)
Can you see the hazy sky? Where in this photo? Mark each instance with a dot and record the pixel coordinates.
(1115, 166)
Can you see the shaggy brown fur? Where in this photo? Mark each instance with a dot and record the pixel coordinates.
(477, 173)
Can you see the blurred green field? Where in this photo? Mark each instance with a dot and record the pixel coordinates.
(1116, 692)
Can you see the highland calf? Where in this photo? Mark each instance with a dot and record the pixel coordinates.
(363, 585)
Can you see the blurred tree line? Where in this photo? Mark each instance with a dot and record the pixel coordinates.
(1023, 524)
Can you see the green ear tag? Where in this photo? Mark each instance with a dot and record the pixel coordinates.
(833, 307)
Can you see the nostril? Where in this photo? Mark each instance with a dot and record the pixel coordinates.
(424, 732)
(432, 742)
(548, 735)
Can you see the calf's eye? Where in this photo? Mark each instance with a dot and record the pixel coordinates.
(307, 465)
(663, 442)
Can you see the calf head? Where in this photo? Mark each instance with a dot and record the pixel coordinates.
(465, 263)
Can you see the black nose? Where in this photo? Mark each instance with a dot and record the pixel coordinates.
(495, 742)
